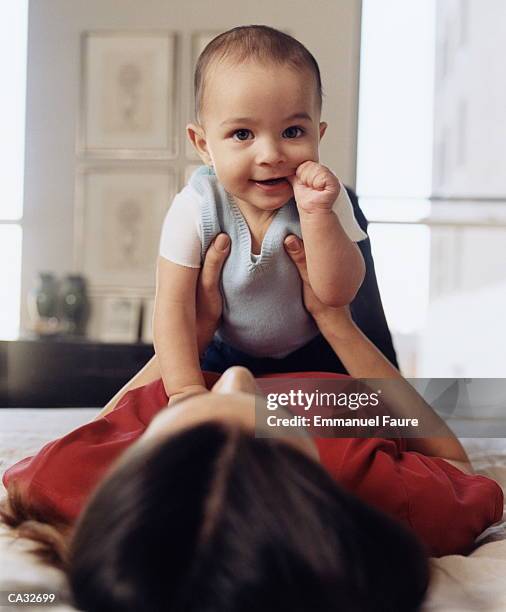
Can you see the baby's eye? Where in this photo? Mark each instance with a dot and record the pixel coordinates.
(293, 132)
(242, 134)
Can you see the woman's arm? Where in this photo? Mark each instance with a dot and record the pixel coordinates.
(363, 360)
(149, 373)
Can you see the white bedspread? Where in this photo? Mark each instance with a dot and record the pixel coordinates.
(459, 584)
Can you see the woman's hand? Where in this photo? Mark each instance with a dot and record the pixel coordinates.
(209, 301)
(328, 318)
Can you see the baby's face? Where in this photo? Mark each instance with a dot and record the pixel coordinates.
(259, 123)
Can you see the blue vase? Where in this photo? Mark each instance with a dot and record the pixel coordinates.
(74, 307)
(43, 305)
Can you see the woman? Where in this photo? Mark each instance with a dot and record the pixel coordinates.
(199, 514)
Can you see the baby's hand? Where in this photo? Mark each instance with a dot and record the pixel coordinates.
(315, 187)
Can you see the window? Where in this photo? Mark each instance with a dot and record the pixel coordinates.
(394, 165)
(13, 47)
(396, 99)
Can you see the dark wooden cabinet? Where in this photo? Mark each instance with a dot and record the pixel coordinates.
(65, 372)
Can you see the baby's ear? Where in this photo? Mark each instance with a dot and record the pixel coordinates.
(197, 137)
(323, 129)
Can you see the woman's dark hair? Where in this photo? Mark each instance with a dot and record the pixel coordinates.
(216, 520)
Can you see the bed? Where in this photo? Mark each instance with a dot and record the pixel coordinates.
(473, 583)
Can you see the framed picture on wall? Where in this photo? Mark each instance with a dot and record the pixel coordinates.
(128, 102)
(115, 318)
(199, 41)
(119, 216)
(119, 318)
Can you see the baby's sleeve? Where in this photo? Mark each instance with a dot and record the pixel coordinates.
(344, 211)
(181, 241)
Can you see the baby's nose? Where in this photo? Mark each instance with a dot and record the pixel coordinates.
(270, 152)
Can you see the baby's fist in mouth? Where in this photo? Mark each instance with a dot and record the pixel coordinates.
(315, 187)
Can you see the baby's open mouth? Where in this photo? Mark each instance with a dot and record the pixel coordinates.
(272, 181)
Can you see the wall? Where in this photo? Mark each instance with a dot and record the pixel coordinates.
(330, 29)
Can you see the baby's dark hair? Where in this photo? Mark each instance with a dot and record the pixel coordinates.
(215, 520)
(258, 42)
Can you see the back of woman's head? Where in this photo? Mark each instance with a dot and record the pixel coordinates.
(215, 520)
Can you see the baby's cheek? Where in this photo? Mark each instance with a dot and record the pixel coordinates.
(310, 153)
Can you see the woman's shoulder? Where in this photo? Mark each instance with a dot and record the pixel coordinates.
(404, 484)
(60, 477)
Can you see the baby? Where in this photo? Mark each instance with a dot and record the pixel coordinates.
(258, 102)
